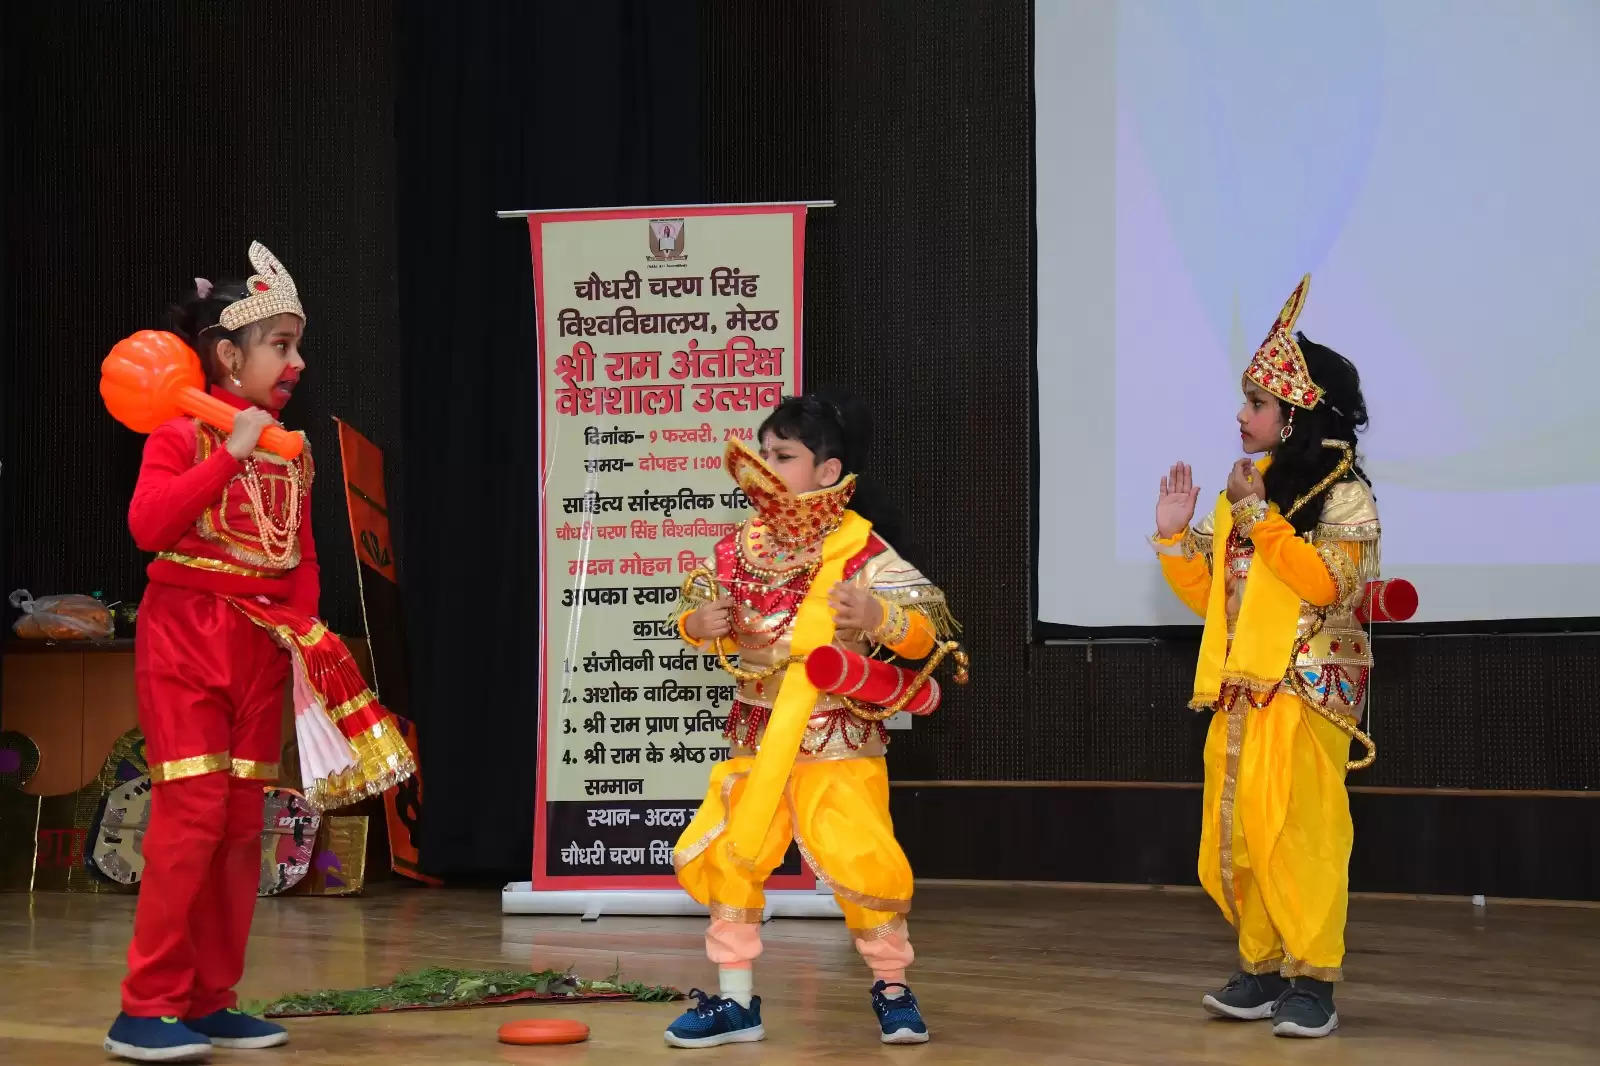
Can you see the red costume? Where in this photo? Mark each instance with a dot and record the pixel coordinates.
(233, 585)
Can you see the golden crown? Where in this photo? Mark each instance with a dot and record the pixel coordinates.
(271, 292)
(1279, 366)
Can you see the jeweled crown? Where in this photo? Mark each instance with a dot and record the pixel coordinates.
(1279, 366)
(272, 292)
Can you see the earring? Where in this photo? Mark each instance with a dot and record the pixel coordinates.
(1287, 431)
(233, 376)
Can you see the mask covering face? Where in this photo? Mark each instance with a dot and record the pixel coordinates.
(794, 522)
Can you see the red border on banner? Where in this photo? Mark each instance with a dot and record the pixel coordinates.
(541, 882)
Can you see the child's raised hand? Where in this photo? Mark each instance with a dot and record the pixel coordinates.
(855, 608)
(714, 620)
(1175, 505)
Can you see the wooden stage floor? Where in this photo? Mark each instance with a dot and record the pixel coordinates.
(1006, 974)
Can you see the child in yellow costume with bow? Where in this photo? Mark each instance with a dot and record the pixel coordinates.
(807, 765)
(1284, 665)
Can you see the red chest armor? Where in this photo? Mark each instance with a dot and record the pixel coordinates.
(255, 523)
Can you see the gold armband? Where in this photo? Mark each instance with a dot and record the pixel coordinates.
(896, 624)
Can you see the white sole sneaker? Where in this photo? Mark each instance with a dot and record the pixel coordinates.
(1216, 1007)
(250, 1043)
(905, 1036)
(1290, 1029)
(738, 1036)
(180, 1053)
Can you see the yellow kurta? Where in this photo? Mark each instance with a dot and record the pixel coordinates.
(1276, 834)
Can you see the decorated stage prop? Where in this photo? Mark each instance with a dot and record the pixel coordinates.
(289, 828)
(663, 334)
(92, 840)
(437, 988)
(152, 377)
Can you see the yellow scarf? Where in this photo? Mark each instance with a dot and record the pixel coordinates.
(1263, 639)
(797, 697)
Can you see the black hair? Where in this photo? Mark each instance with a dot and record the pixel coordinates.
(837, 426)
(1302, 461)
(197, 319)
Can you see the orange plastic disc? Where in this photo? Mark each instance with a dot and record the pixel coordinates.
(544, 1031)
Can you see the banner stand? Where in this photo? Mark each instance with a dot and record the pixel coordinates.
(810, 205)
(664, 332)
(520, 898)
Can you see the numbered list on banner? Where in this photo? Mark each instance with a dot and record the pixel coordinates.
(663, 338)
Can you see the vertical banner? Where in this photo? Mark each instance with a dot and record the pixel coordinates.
(379, 581)
(662, 334)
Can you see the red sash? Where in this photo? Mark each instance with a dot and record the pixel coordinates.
(382, 758)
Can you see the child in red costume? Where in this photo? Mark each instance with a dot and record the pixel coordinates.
(228, 616)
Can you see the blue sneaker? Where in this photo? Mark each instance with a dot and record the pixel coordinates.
(235, 1029)
(898, 1017)
(156, 1040)
(714, 1021)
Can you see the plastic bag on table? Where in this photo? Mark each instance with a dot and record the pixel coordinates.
(68, 617)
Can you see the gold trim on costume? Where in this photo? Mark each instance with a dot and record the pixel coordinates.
(1293, 967)
(351, 706)
(1346, 461)
(835, 750)
(1365, 531)
(193, 766)
(1259, 968)
(250, 770)
(313, 636)
(1342, 569)
(1230, 791)
(722, 912)
(683, 856)
(217, 566)
(832, 734)
(382, 761)
(1188, 545)
(893, 580)
(882, 932)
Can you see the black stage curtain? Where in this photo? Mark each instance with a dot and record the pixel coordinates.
(161, 138)
(7, 292)
(503, 105)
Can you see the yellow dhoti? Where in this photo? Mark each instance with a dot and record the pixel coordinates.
(837, 811)
(1276, 835)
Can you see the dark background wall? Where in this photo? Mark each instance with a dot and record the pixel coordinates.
(154, 142)
(370, 151)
